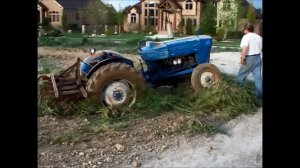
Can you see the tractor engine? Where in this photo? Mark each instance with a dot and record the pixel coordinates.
(174, 58)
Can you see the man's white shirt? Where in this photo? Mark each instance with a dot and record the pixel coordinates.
(254, 43)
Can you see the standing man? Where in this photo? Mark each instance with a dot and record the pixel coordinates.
(251, 45)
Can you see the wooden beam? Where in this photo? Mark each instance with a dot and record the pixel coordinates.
(54, 85)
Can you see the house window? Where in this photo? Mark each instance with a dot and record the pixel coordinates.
(54, 16)
(151, 4)
(152, 21)
(146, 5)
(226, 5)
(151, 13)
(194, 22)
(189, 4)
(77, 16)
(133, 18)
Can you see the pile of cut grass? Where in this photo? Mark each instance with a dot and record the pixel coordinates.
(224, 99)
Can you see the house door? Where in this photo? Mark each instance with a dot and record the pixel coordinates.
(167, 16)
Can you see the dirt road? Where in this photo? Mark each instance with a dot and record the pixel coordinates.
(241, 148)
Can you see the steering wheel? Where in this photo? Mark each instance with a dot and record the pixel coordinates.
(141, 43)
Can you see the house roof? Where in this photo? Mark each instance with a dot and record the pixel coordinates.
(258, 13)
(210, 0)
(137, 6)
(42, 5)
(72, 4)
(172, 1)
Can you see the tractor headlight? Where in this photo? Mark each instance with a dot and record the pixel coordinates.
(179, 61)
(175, 62)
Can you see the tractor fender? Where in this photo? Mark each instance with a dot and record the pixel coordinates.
(108, 61)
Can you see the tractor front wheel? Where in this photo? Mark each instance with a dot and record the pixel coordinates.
(205, 75)
(115, 85)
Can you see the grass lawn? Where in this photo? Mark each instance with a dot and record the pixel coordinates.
(122, 36)
(123, 43)
(228, 43)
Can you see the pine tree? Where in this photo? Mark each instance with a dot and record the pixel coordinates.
(208, 19)
(189, 27)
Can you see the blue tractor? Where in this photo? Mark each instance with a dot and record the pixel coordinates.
(109, 79)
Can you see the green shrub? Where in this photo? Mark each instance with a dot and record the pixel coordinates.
(234, 34)
(221, 32)
(150, 28)
(73, 27)
(84, 40)
(218, 38)
(108, 33)
(54, 32)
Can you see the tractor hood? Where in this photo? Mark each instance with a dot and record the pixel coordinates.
(172, 48)
(154, 51)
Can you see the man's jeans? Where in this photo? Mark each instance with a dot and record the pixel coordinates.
(253, 64)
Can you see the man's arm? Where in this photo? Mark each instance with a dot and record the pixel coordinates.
(243, 54)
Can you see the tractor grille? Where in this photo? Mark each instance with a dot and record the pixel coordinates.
(175, 63)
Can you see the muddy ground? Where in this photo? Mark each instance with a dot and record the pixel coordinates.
(147, 142)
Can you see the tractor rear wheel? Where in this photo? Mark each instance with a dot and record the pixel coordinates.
(205, 75)
(115, 85)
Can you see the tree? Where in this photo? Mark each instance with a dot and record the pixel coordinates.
(189, 27)
(251, 15)
(208, 19)
(95, 12)
(230, 14)
(180, 26)
(149, 27)
(120, 18)
(240, 12)
(64, 22)
(111, 15)
(46, 24)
